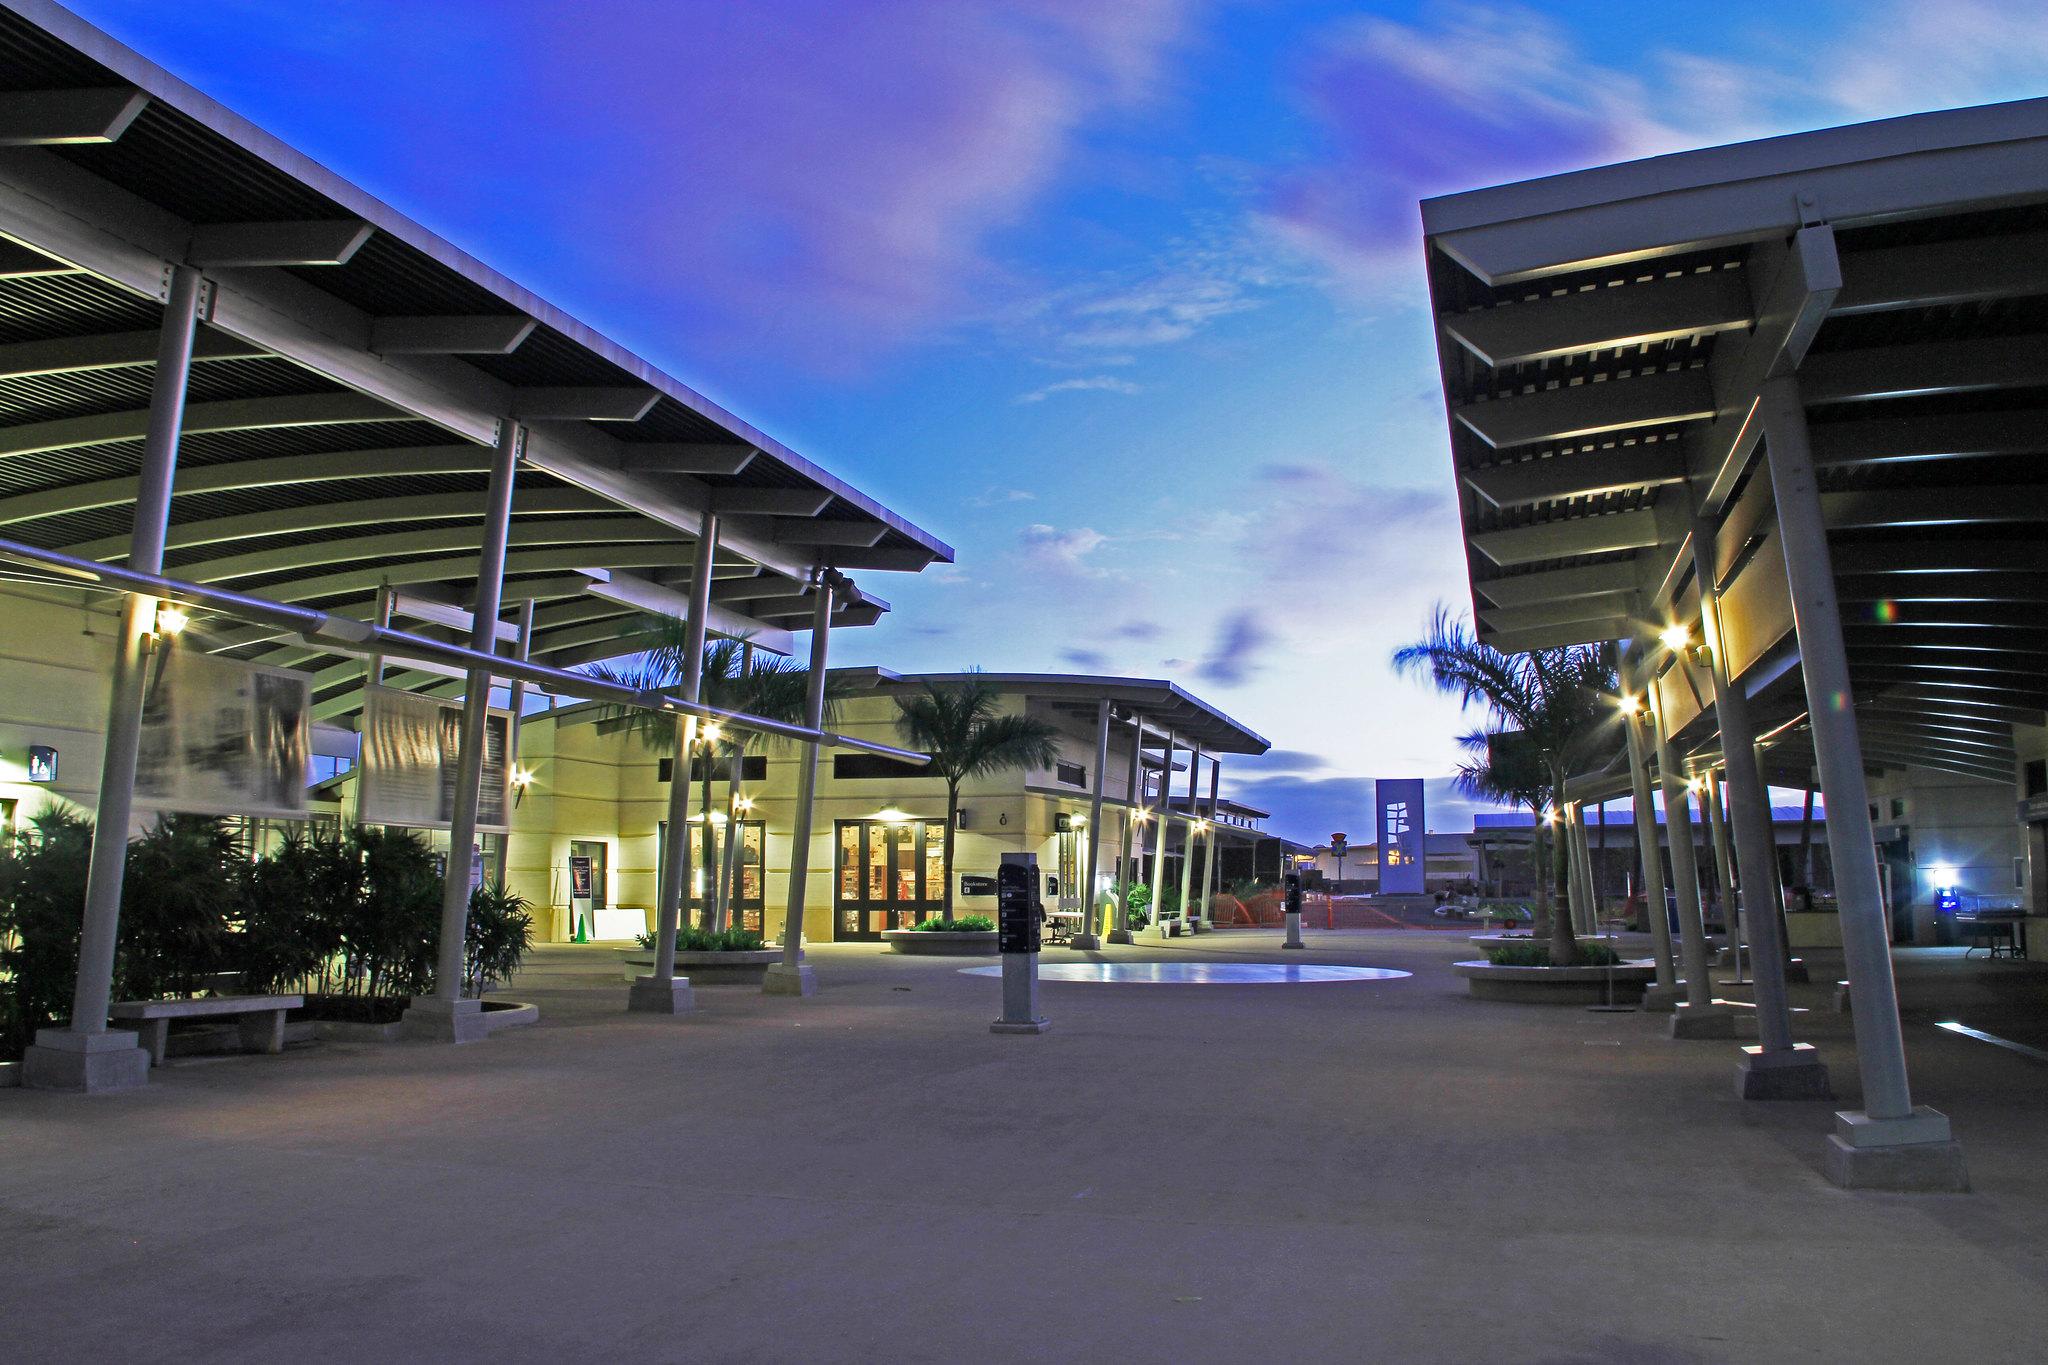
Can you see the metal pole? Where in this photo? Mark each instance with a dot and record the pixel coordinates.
(1699, 995)
(445, 1016)
(1133, 792)
(523, 650)
(1190, 922)
(1159, 837)
(1088, 938)
(790, 976)
(1663, 993)
(99, 930)
(663, 992)
(1888, 1116)
(1209, 860)
(1583, 854)
(1732, 918)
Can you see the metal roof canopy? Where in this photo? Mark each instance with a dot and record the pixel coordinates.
(1603, 336)
(1162, 704)
(350, 377)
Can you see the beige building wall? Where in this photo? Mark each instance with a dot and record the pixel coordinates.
(56, 657)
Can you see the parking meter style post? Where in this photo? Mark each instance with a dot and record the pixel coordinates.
(1294, 911)
(1018, 915)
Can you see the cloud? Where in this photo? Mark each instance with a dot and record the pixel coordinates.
(995, 497)
(1067, 551)
(1138, 630)
(1289, 761)
(1235, 658)
(1084, 658)
(1098, 384)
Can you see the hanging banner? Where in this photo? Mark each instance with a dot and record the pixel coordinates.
(408, 769)
(223, 737)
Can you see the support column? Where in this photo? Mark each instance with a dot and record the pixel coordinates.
(1162, 824)
(85, 1054)
(1209, 858)
(790, 976)
(1569, 829)
(524, 650)
(1697, 1016)
(1590, 893)
(1134, 791)
(1660, 996)
(1088, 940)
(1890, 1142)
(1190, 923)
(444, 1016)
(1724, 867)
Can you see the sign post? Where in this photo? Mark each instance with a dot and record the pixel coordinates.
(1339, 845)
(1294, 911)
(1017, 935)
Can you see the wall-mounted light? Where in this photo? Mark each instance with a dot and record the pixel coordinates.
(745, 803)
(713, 732)
(1629, 703)
(171, 619)
(1675, 637)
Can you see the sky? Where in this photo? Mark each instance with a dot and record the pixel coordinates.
(1124, 300)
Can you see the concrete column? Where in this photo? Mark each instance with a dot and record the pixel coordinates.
(84, 1054)
(1209, 857)
(446, 1017)
(1568, 830)
(1591, 894)
(1087, 939)
(663, 992)
(1663, 993)
(517, 704)
(1697, 1016)
(790, 976)
(1191, 923)
(1160, 827)
(1890, 1141)
(1724, 867)
(1133, 791)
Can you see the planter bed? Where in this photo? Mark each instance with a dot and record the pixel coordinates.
(1513, 938)
(705, 969)
(1557, 985)
(926, 943)
(348, 1021)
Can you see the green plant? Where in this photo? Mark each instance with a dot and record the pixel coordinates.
(185, 885)
(1508, 912)
(1244, 888)
(42, 893)
(290, 928)
(495, 938)
(960, 725)
(389, 928)
(692, 939)
(1538, 955)
(966, 924)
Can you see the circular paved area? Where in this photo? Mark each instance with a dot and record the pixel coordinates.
(1199, 973)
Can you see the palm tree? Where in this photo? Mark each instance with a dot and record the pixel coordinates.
(961, 725)
(736, 677)
(1550, 712)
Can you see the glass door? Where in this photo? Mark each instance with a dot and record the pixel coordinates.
(891, 875)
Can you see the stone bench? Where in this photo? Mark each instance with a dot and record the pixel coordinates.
(260, 1018)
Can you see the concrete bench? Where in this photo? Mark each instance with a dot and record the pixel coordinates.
(260, 1018)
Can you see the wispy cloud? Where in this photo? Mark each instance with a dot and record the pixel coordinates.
(1049, 547)
(1101, 383)
(1241, 642)
(996, 497)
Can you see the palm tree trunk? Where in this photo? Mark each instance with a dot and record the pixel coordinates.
(728, 899)
(952, 823)
(1564, 947)
(709, 864)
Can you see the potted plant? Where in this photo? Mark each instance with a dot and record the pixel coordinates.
(722, 957)
(967, 936)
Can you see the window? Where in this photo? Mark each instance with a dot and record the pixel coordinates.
(753, 768)
(1073, 774)
(2037, 777)
(1898, 808)
(857, 766)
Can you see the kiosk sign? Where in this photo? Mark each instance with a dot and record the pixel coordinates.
(1017, 929)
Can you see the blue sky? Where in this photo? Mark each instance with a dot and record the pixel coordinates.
(1123, 300)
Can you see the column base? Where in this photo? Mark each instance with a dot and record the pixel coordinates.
(430, 1019)
(1711, 1021)
(1662, 999)
(1196, 926)
(1121, 936)
(1916, 1154)
(1020, 1026)
(85, 1063)
(1842, 997)
(1085, 943)
(1796, 1073)
(652, 995)
(783, 979)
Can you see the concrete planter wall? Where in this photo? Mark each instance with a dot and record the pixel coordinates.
(926, 943)
(705, 969)
(1557, 985)
(1813, 929)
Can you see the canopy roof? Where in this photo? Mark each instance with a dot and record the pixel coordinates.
(1162, 704)
(1603, 337)
(351, 375)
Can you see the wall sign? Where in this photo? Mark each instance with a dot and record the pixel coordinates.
(408, 769)
(223, 737)
(42, 763)
(972, 884)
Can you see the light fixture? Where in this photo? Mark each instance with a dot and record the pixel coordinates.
(171, 619)
(1629, 703)
(713, 732)
(1942, 874)
(745, 803)
(1695, 785)
(522, 777)
(1675, 637)
(1078, 822)
(1141, 815)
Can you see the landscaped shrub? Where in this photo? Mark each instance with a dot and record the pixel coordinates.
(184, 887)
(1508, 912)
(691, 939)
(1138, 902)
(498, 933)
(966, 924)
(293, 912)
(388, 930)
(42, 894)
(1538, 955)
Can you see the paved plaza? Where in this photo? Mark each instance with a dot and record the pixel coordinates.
(1374, 1171)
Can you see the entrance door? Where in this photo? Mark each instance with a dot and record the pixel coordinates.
(592, 849)
(890, 876)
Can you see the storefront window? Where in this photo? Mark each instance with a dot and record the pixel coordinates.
(849, 862)
(935, 861)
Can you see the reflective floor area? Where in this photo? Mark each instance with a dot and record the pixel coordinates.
(1199, 973)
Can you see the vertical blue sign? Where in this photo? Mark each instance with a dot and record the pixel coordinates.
(1403, 865)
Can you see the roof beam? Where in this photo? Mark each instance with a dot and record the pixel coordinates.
(1591, 409)
(449, 335)
(18, 262)
(1631, 313)
(229, 414)
(1934, 506)
(1558, 637)
(54, 118)
(1583, 474)
(1962, 435)
(1602, 534)
(628, 403)
(1553, 584)
(645, 595)
(1942, 274)
(1593, 612)
(111, 351)
(686, 457)
(771, 502)
(858, 535)
(1899, 556)
(413, 543)
(1951, 365)
(320, 242)
(1964, 588)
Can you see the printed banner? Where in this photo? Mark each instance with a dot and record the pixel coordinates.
(223, 737)
(408, 769)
